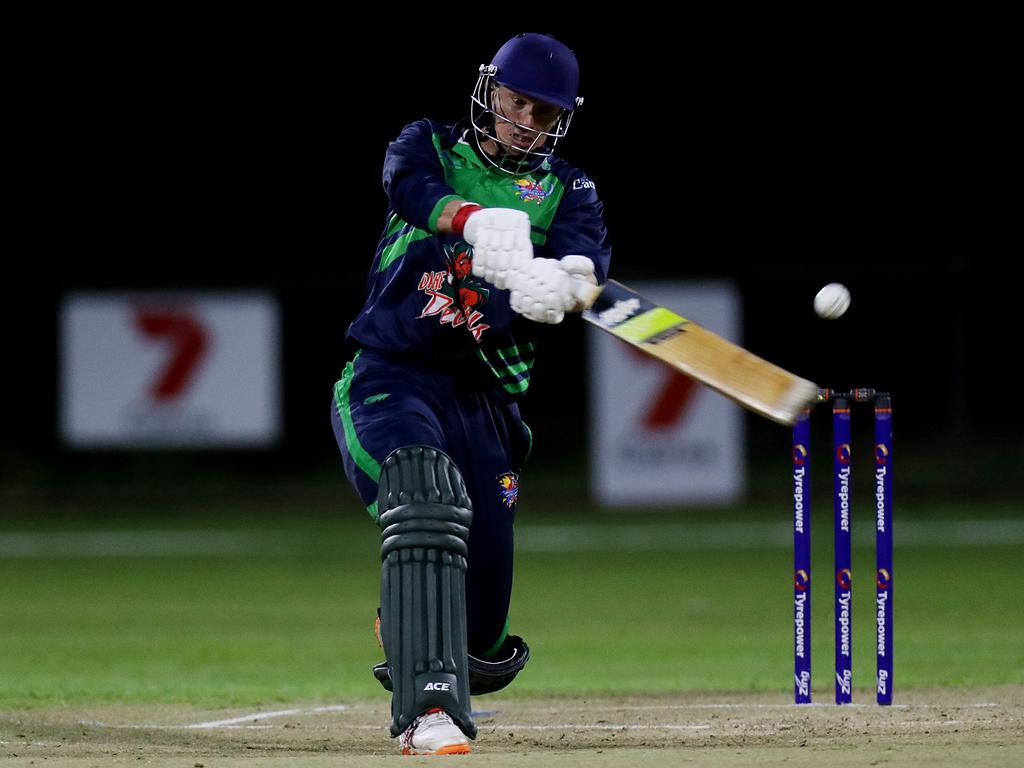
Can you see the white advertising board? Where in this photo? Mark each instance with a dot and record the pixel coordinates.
(657, 437)
(169, 370)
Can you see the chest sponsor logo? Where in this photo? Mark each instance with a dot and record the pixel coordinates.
(455, 297)
(530, 191)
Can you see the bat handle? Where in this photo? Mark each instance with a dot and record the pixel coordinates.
(588, 294)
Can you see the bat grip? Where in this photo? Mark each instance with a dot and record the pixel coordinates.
(588, 294)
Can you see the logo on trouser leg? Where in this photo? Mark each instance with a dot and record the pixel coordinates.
(508, 487)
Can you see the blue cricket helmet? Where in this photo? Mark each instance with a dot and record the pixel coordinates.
(537, 66)
(540, 67)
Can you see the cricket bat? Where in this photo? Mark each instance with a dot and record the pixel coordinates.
(742, 376)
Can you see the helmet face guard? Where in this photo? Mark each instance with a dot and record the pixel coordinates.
(486, 115)
(537, 66)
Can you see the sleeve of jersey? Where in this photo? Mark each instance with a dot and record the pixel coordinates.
(414, 179)
(578, 226)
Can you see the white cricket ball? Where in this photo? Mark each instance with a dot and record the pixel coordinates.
(832, 301)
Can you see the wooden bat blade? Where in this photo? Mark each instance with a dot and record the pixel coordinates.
(740, 375)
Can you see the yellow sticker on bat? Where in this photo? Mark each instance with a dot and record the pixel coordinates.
(649, 324)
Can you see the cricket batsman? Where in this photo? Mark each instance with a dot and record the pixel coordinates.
(488, 233)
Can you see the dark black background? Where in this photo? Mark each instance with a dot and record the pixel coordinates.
(778, 154)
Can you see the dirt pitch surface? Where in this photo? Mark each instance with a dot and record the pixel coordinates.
(961, 727)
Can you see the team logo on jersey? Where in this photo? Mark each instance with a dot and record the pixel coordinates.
(508, 487)
(530, 191)
(455, 296)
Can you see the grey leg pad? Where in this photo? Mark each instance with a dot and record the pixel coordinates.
(425, 518)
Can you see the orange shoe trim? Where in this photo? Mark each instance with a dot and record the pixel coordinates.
(454, 749)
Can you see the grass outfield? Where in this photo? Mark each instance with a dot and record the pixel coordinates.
(251, 609)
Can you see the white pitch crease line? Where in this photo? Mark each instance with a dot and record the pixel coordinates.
(564, 727)
(932, 723)
(231, 722)
(589, 727)
(243, 722)
(159, 727)
(794, 707)
(34, 743)
(267, 716)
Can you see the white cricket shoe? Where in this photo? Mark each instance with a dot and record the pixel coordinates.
(433, 733)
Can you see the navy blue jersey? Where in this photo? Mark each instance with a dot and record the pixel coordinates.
(422, 298)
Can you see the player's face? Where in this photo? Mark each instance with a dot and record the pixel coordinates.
(527, 116)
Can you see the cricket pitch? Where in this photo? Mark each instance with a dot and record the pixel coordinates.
(948, 727)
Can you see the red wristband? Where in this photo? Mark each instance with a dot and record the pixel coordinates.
(459, 219)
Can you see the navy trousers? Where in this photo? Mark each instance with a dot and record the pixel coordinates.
(383, 402)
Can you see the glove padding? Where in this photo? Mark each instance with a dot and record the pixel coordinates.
(545, 290)
(501, 243)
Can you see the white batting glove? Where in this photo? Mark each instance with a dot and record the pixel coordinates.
(581, 268)
(501, 243)
(544, 291)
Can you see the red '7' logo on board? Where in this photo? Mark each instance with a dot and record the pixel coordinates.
(188, 341)
(672, 399)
